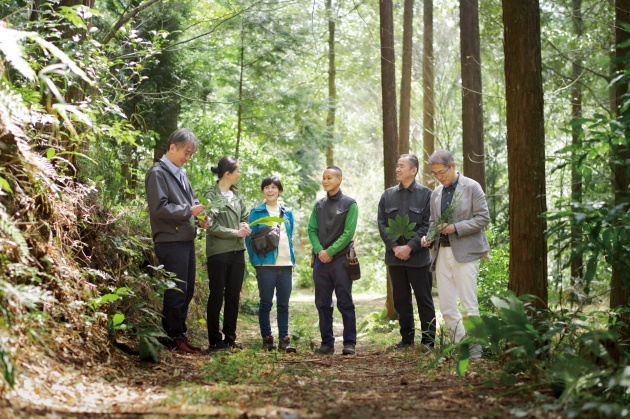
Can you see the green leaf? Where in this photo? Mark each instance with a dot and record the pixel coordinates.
(464, 359)
(147, 350)
(268, 221)
(204, 201)
(400, 227)
(50, 153)
(4, 184)
(118, 318)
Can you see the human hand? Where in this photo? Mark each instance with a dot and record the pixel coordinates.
(402, 252)
(424, 242)
(323, 256)
(204, 223)
(197, 209)
(446, 228)
(244, 230)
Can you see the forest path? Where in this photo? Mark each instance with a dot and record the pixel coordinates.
(376, 382)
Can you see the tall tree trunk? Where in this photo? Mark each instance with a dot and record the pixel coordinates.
(620, 280)
(428, 82)
(526, 149)
(472, 100)
(332, 88)
(240, 93)
(405, 82)
(576, 114)
(390, 132)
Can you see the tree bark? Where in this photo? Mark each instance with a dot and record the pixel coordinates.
(576, 114)
(405, 82)
(472, 99)
(428, 82)
(526, 149)
(332, 88)
(620, 280)
(390, 132)
(240, 99)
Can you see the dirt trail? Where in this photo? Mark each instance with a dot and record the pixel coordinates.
(377, 382)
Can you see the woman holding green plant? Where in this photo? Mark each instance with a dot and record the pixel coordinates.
(225, 250)
(270, 249)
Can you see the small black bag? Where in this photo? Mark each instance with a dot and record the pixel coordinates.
(265, 240)
(352, 263)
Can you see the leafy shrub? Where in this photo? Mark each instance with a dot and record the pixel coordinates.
(493, 273)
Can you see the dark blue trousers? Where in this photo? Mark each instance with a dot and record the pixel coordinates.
(329, 277)
(404, 278)
(178, 258)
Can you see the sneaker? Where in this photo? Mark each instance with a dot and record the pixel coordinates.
(180, 345)
(325, 350)
(402, 345)
(267, 344)
(285, 345)
(348, 349)
(219, 346)
(232, 344)
(191, 346)
(428, 346)
(475, 351)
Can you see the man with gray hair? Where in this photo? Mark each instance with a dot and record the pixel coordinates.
(460, 244)
(173, 210)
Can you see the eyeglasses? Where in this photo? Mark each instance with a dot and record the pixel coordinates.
(440, 173)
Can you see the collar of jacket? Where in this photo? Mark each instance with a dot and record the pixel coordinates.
(233, 188)
(411, 186)
(263, 207)
(335, 197)
(163, 167)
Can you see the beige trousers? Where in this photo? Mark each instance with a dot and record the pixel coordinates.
(455, 280)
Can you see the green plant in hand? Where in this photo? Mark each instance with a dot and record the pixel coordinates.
(446, 219)
(213, 207)
(400, 228)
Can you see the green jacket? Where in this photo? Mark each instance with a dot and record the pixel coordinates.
(222, 235)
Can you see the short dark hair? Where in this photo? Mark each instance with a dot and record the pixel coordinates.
(182, 137)
(335, 169)
(226, 164)
(269, 180)
(413, 160)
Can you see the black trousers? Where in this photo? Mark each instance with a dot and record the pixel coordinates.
(404, 278)
(178, 258)
(225, 275)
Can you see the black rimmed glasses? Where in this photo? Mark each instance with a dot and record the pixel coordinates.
(441, 172)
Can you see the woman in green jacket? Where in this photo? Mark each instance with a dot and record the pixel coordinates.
(225, 249)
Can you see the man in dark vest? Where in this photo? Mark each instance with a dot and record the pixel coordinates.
(331, 229)
(173, 208)
(408, 261)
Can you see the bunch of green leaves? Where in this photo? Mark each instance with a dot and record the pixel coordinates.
(218, 204)
(268, 221)
(400, 228)
(446, 218)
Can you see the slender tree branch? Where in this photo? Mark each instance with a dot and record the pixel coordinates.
(126, 18)
(566, 57)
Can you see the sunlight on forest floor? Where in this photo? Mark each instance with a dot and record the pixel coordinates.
(377, 382)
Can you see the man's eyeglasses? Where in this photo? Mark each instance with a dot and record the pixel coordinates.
(441, 172)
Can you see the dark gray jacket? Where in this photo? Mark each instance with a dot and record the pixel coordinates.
(170, 206)
(414, 201)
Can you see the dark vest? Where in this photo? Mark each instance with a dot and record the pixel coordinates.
(331, 219)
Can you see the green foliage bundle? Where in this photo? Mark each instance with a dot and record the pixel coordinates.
(445, 218)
